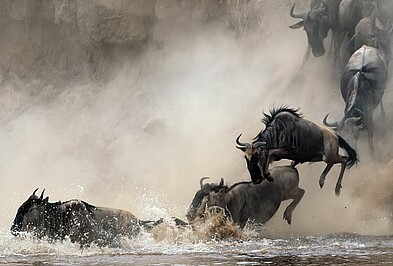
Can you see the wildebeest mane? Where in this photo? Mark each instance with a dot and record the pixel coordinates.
(230, 187)
(274, 111)
(237, 184)
(286, 128)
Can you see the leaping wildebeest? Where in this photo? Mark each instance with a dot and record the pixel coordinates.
(362, 87)
(245, 202)
(322, 17)
(80, 221)
(287, 135)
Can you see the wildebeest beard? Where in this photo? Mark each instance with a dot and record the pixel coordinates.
(256, 159)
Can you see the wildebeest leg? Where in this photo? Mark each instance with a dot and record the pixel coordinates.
(331, 48)
(370, 131)
(338, 36)
(337, 159)
(340, 178)
(323, 175)
(306, 56)
(271, 158)
(383, 114)
(296, 195)
(331, 156)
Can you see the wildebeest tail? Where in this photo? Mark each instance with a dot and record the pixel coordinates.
(352, 156)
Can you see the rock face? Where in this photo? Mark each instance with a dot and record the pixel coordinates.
(115, 22)
(74, 36)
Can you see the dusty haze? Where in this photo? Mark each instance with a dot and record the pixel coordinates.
(138, 127)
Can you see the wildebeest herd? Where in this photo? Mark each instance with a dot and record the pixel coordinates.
(361, 43)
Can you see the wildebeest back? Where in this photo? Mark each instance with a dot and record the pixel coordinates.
(366, 66)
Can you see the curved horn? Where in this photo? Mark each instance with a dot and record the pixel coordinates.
(326, 123)
(241, 144)
(301, 15)
(42, 194)
(201, 181)
(34, 192)
(256, 137)
(259, 138)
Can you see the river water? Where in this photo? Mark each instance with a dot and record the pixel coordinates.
(173, 246)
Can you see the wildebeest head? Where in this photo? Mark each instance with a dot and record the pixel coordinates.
(198, 204)
(255, 157)
(371, 32)
(27, 215)
(315, 23)
(349, 127)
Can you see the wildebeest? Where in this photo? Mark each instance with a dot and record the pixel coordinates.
(322, 17)
(352, 11)
(287, 135)
(362, 87)
(371, 32)
(248, 202)
(80, 221)
(350, 14)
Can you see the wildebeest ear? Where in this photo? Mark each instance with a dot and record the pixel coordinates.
(259, 144)
(297, 25)
(222, 190)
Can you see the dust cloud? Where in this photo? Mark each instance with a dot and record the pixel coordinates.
(141, 131)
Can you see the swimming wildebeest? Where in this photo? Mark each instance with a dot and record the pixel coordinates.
(322, 17)
(80, 221)
(362, 87)
(248, 202)
(287, 135)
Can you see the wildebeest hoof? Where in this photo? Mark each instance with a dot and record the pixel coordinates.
(257, 181)
(269, 178)
(338, 190)
(321, 183)
(287, 216)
